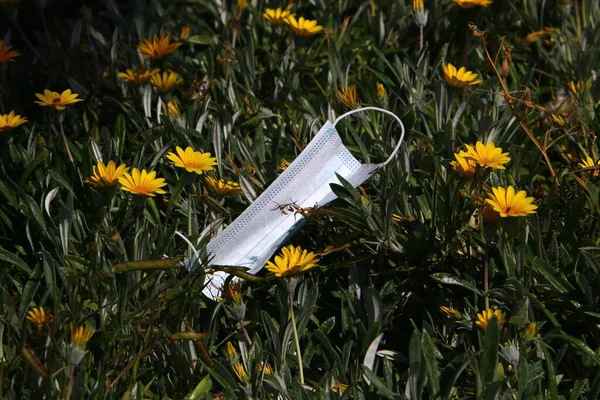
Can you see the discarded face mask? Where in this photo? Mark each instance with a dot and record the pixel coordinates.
(255, 235)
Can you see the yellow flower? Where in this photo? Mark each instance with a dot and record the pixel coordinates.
(278, 16)
(39, 317)
(221, 187)
(303, 27)
(158, 48)
(449, 311)
(339, 387)
(81, 335)
(233, 292)
(535, 36)
(106, 175)
(348, 96)
(575, 87)
(473, 3)
(185, 32)
(230, 351)
(137, 76)
(530, 330)
(242, 4)
(381, 92)
(488, 156)
(171, 109)
(142, 183)
(589, 163)
(10, 121)
(397, 218)
(460, 78)
(511, 204)
(6, 54)
(556, 119)
(266, 368)
(283, 164)
(291, 261)
(418, 5)
(463, 165)
(192, 161)
(57, 101)
(239, 370)
(486, 315)
(166, 82)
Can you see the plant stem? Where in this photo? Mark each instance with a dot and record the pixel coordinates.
(296, 339)
(189, 221)
(64, 138)
(243, 328)
(70, 385)
(510, 104)
(486, 279)
(420, 37)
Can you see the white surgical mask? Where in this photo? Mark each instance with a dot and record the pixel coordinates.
(254, 236)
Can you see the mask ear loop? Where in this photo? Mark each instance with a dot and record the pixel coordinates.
(385, 112)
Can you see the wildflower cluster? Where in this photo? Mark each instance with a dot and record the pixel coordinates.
(300, 26)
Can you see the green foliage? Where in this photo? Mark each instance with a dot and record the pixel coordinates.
(411, 239)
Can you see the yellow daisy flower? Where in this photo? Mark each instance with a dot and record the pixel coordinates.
(230, 351)
(339, 387)
(291, 261)
(484, 317)
(587, 163)
(171, 109)
(6, 54)
(348, 96)
(450, 312)
(459, 78)
(418, 5)
(283, 164)
(81, 335)
(381, 92)
(142, 183)
(158, 48)
(166, 82)
(240, 372)
(473, 3)
(530, 330)
(221, 187)
(488, 156)
(192, 161)
(106, 175)
(303, 27)
(56, 100)
(185, 32)
(267, 368)
(463, 164)
(278, 16)
(233, 292)
(510, 204)
(39, 317)
(137, 76)
(10, 121)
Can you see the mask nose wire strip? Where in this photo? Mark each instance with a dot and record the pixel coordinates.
(385, 112)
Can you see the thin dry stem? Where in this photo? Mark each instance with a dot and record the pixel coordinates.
(509, 100)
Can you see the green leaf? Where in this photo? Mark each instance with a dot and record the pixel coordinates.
(430, 364)
(551, 274)
(443, 277)
(201, 390)
(585, 349)
(15, 260)
(489, 351)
